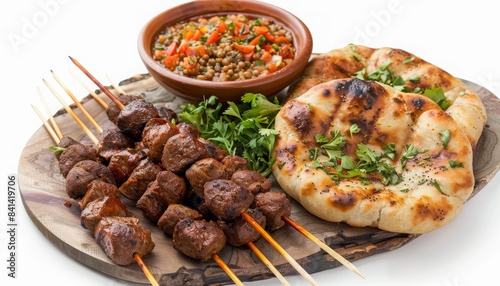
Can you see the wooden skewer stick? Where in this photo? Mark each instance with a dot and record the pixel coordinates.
(47, 126)
(51, 118)
(226, 269)
(115, 86)
(101, 87)
(279, 248)
(322, 245)
(72, 113)
(268, 263)
(145, 269)
(77, 102)
(91, 92)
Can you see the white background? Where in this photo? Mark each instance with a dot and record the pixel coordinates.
(38, 35)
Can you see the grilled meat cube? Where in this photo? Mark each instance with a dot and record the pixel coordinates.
(188, 128)
(226, 199)
(213, 150)
(180, 151)
(172, 187)
(123, 163)
(74, 154)
(240, 232)
(198, 239)
(65, 142)
(234, 163)
(82, 174)
(111, 142)
(252, 180)
(122, 237)
(273, 205)
(113, 111)
(201, 207)
(98, 189)
(99, 208)
(168, 188)
(139, 180)
(149, 204)
(134, 117)
(202, 171)
(173, 214)
(154, 136)
(168, 114)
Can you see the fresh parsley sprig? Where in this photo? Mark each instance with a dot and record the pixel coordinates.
(245, 129)
(340, 166)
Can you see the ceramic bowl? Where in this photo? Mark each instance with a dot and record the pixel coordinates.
(195, 90)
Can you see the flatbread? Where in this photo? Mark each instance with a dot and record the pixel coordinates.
(434, 184)
(466, 107)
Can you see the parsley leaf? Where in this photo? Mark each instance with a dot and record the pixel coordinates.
(409, 153)
(454, 164)
(437, 95)
(445, 137)
(354, 129)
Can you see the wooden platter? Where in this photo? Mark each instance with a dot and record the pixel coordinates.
(44, 197)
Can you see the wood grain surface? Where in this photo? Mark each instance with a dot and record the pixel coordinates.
(44, 197)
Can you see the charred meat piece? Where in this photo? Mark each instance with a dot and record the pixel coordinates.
(240, 232)
(64, 143)
(172, 187)
(154, 136)
(213, 150)
(122, 237)
(226, 199)
(84, 172)
(202, 171)
(173, 214)
(188, 128)
(134, 117)
(98, 189)
(252, 180)
(67, 141)
(74, 154)
(168, 114)
(273, 205)
(180, 151)
(168, 188)
(111, 142)
(200, 206)
(234, 163)
(123, 163)
(139, 180)
(99, 208)
(113, 111)
(198, 239)
(148, 203)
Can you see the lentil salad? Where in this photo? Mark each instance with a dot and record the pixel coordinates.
(224, 48)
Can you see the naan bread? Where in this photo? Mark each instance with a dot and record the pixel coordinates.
(466, 108)
(432, 188)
